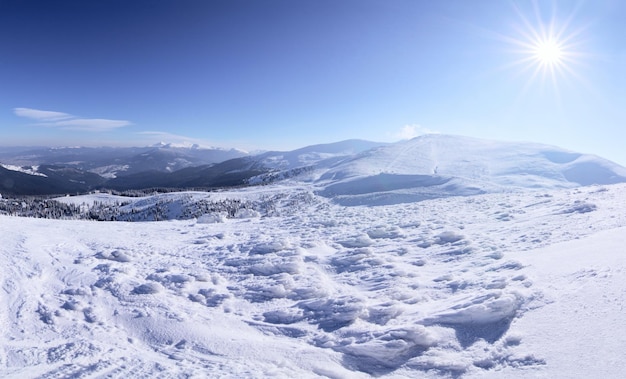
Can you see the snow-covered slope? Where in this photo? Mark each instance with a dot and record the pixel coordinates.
(307, 163)
(31, 170)
(442, 165)
(524, 284)
(323, 154)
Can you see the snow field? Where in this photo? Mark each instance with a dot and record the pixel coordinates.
(442, 288)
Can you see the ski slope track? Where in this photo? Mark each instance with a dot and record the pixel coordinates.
(515, 284)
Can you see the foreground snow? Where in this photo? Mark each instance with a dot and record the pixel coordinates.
(499, 285)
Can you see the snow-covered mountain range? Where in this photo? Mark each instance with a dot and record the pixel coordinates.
(352, 172)
(110, 162)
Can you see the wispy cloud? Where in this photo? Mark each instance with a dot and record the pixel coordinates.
(41, 115)
(90, 124)
(412, 131)
(67, 121)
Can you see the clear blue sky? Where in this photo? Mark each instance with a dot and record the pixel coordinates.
(282, 74)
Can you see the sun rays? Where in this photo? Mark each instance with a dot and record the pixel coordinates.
(548, 49)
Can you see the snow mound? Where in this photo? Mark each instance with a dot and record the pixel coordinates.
(148, 288)
(115, 255)
(211, 218)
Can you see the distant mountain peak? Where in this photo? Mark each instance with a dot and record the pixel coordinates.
(161, 144)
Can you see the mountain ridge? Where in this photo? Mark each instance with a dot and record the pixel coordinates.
(351, 171)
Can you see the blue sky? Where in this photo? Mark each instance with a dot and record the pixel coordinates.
(283, 74)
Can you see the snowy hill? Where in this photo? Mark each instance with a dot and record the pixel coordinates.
(45, 179)
(503, 285)
(435, 165)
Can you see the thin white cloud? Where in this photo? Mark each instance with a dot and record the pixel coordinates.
(412, 131)
(41, 115)
(67, 121)
(89, 124)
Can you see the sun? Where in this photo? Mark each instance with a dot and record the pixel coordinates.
(549, 52)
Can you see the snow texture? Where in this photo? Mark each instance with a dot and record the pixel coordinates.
(504, 285)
